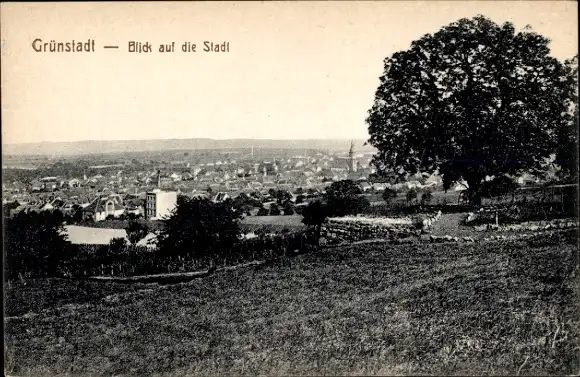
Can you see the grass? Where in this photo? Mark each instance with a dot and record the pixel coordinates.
(271, 223)
(487, 308)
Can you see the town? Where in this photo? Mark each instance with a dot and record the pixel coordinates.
(121, 189)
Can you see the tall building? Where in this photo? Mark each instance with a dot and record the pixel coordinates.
(351, 159)
(159, 204)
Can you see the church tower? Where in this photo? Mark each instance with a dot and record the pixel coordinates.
(351, 159)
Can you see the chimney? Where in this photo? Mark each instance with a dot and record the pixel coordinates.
(158, 179)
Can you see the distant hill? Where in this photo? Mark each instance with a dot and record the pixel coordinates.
(120, 146)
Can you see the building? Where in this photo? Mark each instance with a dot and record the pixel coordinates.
(159, 204)
(101, 208)
(352, 163)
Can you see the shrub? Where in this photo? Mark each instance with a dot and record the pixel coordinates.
(411, 195)
(274, 210)
(117, 245)
(136, 231)
(288, 208)
(389, 194)
(262, 212)
(426, 197)
(498, 186)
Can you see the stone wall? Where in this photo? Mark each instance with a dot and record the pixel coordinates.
(334, 232)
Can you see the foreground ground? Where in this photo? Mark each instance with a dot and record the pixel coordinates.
(486, 308)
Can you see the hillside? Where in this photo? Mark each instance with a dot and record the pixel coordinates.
(104, 146)
(488, 308)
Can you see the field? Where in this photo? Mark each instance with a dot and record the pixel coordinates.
(488, 308)
(89, 235)
(271, 223)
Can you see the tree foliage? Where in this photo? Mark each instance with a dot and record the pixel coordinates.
(345, 198)
(567, 135)
(411, 195)
(389, 194)
(288, 208)
(426, 197)
(471, 100)
(199, 228)
(33, 244)
(275, 210)
(498, 186)
(136, 231)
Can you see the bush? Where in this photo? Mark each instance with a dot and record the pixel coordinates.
(389, 194)
(117, 245)
(274, 210)
(426, 197)
(136, 231)
(288, 208)
(262, 212)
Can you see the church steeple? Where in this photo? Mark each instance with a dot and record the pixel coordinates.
(351, 158)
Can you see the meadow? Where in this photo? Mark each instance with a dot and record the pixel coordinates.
(495, 307)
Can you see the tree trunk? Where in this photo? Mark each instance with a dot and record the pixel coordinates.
(473, 191)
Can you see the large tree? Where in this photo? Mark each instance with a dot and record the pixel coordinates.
(471, 100)
(567, 136)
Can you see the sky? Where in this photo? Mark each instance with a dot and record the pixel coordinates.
(295, 70)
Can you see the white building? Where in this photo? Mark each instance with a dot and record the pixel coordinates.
(159, 204)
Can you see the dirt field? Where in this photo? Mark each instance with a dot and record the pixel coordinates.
(486, 308)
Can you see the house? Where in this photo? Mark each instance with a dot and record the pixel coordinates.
(527, 179)
(380, 186)
(101, 208)
(365, 186)
(74, 183)
(47, 207)
(36, 185)
(220, 197)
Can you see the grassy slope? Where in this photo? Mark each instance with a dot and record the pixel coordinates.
(492, 308)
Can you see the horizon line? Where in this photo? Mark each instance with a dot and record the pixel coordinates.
(190, 138)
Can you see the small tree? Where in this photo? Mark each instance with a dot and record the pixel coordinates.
(262, 212)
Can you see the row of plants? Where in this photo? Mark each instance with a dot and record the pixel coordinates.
(119, 259)
(199, 234)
